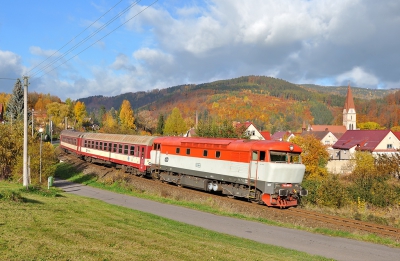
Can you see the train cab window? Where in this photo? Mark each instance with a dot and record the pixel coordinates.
(262, 155)
(254, 155)
(120, 148)
(126, 149)
(278, 156)
(205, 153)
(178, 150)
(187, 151)
(132, 150)
(218, 154)
(115, 148)
(157, 146)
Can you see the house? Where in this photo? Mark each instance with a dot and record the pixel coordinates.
(250, 130)
(282, 136)
(326, 137)
(374, 141)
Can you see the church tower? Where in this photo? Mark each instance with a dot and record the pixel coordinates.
(349, 112)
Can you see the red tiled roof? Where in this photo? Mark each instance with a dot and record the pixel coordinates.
(266, 135)
(331, 128)
(366, 139)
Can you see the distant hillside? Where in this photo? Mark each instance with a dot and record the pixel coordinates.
(271, 104)
(361, 93)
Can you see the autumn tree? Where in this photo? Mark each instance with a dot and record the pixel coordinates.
(126, 116)
(314, 156)
(58, 112)
(80, 112)
(369, 126)
(146, 121)
(15, 107)
(175, 125)
(109, 123)
(160, 124)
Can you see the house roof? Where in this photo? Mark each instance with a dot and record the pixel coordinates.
(246, 124)
(366, 139)
(266, 135)
(279, 135)
(331, 128)
(317, 134)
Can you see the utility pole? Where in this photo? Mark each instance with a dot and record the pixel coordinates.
(25, 177)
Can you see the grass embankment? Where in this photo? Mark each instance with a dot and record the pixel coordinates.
(52, 225)
(66, 171)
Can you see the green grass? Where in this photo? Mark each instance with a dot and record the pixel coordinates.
(68, 172)
(52, 225)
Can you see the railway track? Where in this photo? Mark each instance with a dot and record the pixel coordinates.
(381, 230)
(268, 213)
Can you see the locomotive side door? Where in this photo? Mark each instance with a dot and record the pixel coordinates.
(253, 168)
(142, 158)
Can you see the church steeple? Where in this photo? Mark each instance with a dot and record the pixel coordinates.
(349, 111)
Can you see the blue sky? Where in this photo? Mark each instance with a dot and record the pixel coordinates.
(168, 43)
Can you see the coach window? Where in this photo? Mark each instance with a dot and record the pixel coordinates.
(105, 146)
(120, 148)
(126, 149)
(115, 148)
(97, 145)
(132, 150)
(254, 155)
(109, 146)
(187, 151)
(205, 153)
(92, 146)
(101, 145)
(85, 144)
(262, 155)
(178, 150)
(218, 154)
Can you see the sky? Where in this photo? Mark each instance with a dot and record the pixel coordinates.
(77, 49)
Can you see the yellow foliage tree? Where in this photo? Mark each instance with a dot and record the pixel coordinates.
(126, 116)
(314, 156)
(109, 123)
(80, 112)
(175, 125)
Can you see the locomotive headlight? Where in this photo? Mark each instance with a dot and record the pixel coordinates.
(291, 147)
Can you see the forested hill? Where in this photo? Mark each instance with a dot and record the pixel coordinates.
(270, 103)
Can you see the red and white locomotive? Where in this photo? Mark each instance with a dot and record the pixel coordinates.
(267, 172)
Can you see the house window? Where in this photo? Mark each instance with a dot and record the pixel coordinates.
(389, 146)
(327, 142)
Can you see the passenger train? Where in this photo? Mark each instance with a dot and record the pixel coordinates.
(262, 171)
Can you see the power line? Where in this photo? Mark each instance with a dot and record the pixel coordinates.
(75, 37)
(84, 40)
(103, 36)
(8, 79)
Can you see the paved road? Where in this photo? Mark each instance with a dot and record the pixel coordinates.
(330, 247)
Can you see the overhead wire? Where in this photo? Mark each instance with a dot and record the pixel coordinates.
(102, 37)
(83, 41)
(74, 37)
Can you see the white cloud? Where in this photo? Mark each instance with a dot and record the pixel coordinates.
(359, 76)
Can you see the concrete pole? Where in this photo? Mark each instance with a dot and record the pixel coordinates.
(25, 162)
(32, 121)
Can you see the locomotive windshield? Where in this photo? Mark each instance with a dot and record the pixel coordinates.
(285, 157)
